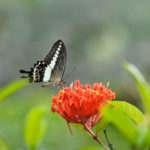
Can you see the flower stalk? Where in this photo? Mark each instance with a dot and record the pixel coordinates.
(95, 137)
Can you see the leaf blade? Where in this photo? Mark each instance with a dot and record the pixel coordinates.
(102, 123)
(141, 84)
(132, 111)
(12, 88)
(35, 126)
(79, 127)
(123, 123)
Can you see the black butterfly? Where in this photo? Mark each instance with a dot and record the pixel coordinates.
(50, 70)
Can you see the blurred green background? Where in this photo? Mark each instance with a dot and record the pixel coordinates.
(99, 36)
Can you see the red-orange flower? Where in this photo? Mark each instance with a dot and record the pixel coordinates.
(82, 104)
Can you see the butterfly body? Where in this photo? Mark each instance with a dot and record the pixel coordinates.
(51, 70)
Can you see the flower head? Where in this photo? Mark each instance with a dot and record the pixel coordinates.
(82, 104)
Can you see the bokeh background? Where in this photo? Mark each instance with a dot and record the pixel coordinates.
(99, 35)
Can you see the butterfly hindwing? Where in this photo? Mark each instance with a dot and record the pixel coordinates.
(38, 70)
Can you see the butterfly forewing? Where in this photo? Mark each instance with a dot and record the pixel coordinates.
(56, 62)
(58, 71)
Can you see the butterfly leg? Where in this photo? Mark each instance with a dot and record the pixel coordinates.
(47, 84)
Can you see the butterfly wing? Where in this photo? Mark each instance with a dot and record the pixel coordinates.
(58, 71)
(56, 61)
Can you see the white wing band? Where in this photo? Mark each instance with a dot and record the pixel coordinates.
(51, 66)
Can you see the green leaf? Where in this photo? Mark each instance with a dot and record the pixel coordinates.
(143, 87)
(79, 127)
(143, 141)
(122, 122)
(12, 88)
(132, 111)
(101, 124)
(35, 126)
(3, 144)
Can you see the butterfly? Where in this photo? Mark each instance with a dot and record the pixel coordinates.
(51, 70)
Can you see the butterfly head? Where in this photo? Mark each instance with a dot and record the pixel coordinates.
(62, 82)
(59, 83)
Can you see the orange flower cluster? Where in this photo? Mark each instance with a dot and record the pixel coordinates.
(82, 104)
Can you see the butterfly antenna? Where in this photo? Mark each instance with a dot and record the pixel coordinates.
(74, 68)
